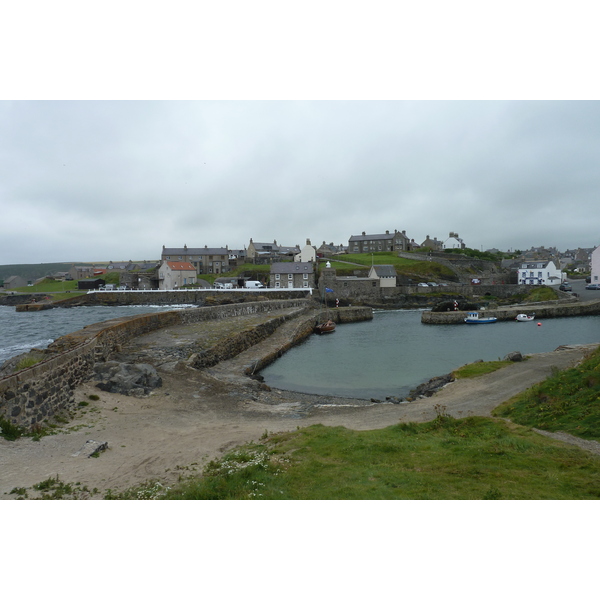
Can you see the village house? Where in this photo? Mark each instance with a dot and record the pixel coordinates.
(292, 275)
(270, 252)
(78, 272)
(173, 275)
(307, 254)
(541, 272)
(385, 274)
(205, 260)
(379, 242)
(433, 244)
(328, 250)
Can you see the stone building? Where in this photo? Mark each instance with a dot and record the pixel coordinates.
(292, 275)
(379, 242)
(205, 260)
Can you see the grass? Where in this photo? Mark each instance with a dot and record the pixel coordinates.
(568, 401)
(541, 294)
(467, 459)
(416, 269)
(480, 368)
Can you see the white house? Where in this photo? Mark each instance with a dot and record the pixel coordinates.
(307, 254)
(173, 275)
(596, 265)
(385, 273)
(540, 272)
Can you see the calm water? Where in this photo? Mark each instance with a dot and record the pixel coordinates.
(395, 352)
(21, 331)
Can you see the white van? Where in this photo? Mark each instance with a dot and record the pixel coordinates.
(254, 284)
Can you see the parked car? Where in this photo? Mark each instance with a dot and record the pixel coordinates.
(565, 287)
(432, 284)
(122, 288)
(422, 285)
(593, 286)
(254, 284)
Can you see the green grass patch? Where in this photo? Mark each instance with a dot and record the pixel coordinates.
(480, 368)
(28, 361)
(467, 459)
(568, 401)
(417, 269)
(541, 294)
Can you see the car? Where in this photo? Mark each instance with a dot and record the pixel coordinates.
(593, 286)
(432, 284)
(565, 287)
(422, 285)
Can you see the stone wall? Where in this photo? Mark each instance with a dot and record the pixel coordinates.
(542, 310)
(32, 395)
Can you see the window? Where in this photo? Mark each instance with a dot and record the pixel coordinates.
(277, 284)
(290, 276)
(305, 276)
(277, 276)
(305, 284)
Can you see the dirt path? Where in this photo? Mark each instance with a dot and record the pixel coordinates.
(196, 416)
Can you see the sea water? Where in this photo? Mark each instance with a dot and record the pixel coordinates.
(395, 352)
(22, 331)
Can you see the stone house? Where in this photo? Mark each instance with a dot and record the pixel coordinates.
(77, 272)
(205, 260)
(379, 242)
(386, 274)
(292, 275)
(540, 272)
(328, 250)
(173, 275)
(433, 244)
(14, 281)
(270, 252)
(307, 254)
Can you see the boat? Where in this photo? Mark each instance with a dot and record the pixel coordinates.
(473, 318)
(325, 327)
(523, 318)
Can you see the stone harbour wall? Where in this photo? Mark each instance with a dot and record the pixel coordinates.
(36, 393)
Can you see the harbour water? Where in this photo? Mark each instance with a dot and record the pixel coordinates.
(387, 356)
(22, 331)
(395, 352)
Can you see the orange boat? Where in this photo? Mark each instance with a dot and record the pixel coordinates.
(325, 327)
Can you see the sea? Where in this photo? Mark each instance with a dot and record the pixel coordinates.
(387, 356)
(22, 331)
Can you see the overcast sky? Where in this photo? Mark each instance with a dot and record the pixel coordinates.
(102, 180)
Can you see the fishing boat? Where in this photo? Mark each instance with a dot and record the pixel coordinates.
(473, 318)
(325, 327)
(523, 318)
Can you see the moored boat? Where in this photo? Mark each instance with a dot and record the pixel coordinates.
(523, 318)
(325, 327)
(473, 318)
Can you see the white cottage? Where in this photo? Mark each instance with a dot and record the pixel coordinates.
(386, 274)
(307, 254)
(540, 272)
(173, 275)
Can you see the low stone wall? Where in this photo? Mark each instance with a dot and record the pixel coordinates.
(31, 395)
(541, 310)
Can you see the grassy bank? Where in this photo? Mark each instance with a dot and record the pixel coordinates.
(569, 401)
(469, 459)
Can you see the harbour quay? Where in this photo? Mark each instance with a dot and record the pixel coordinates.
(542, 310)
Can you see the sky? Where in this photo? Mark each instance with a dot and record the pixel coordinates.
(97, 169)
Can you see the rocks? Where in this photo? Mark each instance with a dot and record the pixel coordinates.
(127, 379)
(429, 388)
(514, 356)
(91, 448)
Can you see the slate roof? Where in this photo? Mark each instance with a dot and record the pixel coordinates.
(292, 267)
(384, 270)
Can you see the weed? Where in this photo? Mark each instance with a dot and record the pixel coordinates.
(94, 397)
(83, 403)
(9, 431)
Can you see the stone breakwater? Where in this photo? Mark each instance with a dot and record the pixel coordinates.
(546, 310)
(32, 395)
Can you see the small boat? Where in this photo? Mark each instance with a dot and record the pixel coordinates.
(325, 327)
(473, 318)
(523, 318)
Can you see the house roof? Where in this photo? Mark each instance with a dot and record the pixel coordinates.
(185, 251)
(384, 270)
(289, 267)
(375, 237)
(181, 266)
